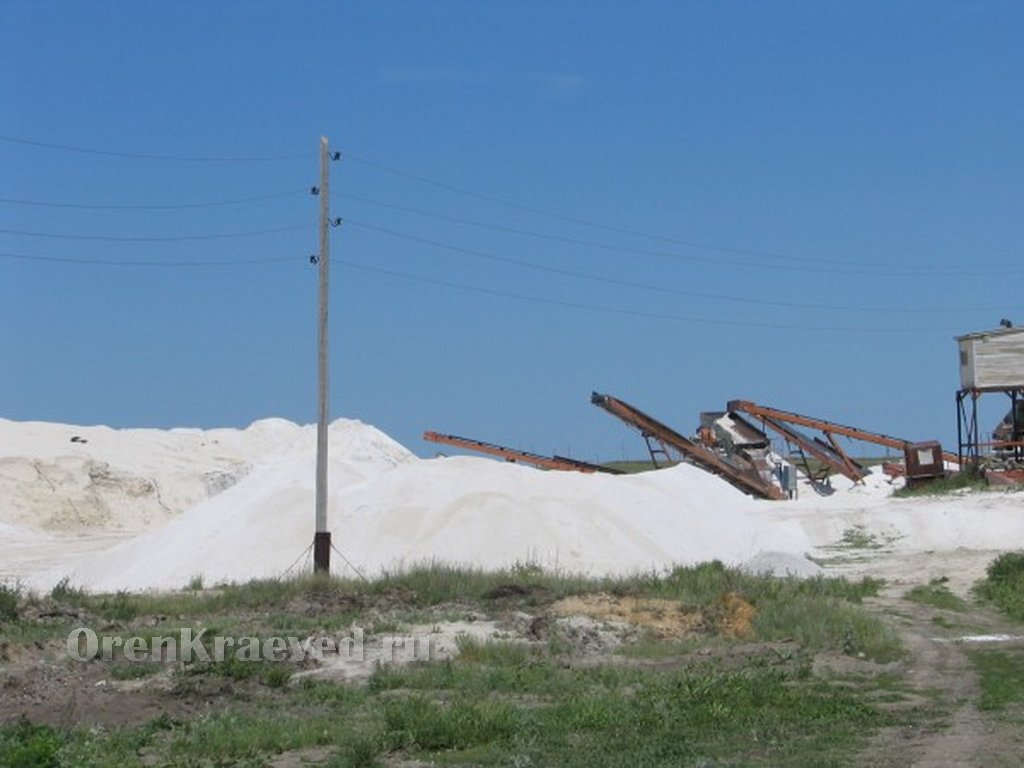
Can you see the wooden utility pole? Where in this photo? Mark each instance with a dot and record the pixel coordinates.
(322, 539)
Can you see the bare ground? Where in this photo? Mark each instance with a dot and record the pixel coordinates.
(937, 668)
(937, 675)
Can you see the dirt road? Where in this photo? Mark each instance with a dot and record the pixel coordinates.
(939, 673)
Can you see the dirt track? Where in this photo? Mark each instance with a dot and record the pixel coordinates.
(938, 671)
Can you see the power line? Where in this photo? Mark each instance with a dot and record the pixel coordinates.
(147, 262)
(648, 286)
(590, 243)
(562, 217)
(165, 207)
(153, 156)
(839, 267)
(716, 321)
(464, 287)
(862, 267)
(173, 239)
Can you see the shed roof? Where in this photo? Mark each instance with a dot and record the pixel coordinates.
(995, 332)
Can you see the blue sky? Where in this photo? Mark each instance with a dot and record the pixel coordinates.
(678, 203)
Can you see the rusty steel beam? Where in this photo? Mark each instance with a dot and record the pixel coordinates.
(838, 449)
(561, 463)
(817, 450)
(709, 461)
(827, 427)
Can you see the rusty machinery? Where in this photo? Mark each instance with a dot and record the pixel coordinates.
(924, 461)
(562, 463)
(660, 438)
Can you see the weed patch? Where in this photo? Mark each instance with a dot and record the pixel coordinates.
(959, 482)
(937, 595)
(136, 670)
(500, 702)
(1004, 584)
(420, 723)
(1002, 678)
(271, 673)
(819, 613)
(25, 744)
(857, 537)
(10, 602)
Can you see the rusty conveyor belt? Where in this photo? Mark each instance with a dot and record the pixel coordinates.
(774, 417)
(562, 463)
(746, 479)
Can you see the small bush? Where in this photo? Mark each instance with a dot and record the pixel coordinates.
(29, 746)
(118, 607)
(1004, 584)
(276, 675)
(359, 751)
(1006, 568)
(63, 592)
(10, 601)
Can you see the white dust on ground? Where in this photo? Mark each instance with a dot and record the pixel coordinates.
(861, 530)
(141, 509)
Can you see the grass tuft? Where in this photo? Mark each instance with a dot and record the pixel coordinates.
(955, 483)
(136, 670)
(32, 746)
(64, 592)
(937, 595)
(1002, 678)
(1004, 584)
(359, 751)
(10, 601)
(418, 722)
(857, 537)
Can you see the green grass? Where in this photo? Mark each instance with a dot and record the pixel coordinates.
(433, 584)
(27, 746)
(1004, 584)
(705, 583)
(498, 703)
(426, 585)
(958, 482)
(937, 595)
(827, 623)
(281, 623)
(30, 632)
(1002, 678)
(64, 592)
(618, 716)
(136, 670)
(601, 716)
(820, 613)
(273, 674)
(10, 601)
(631, 466)
(858, 538)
